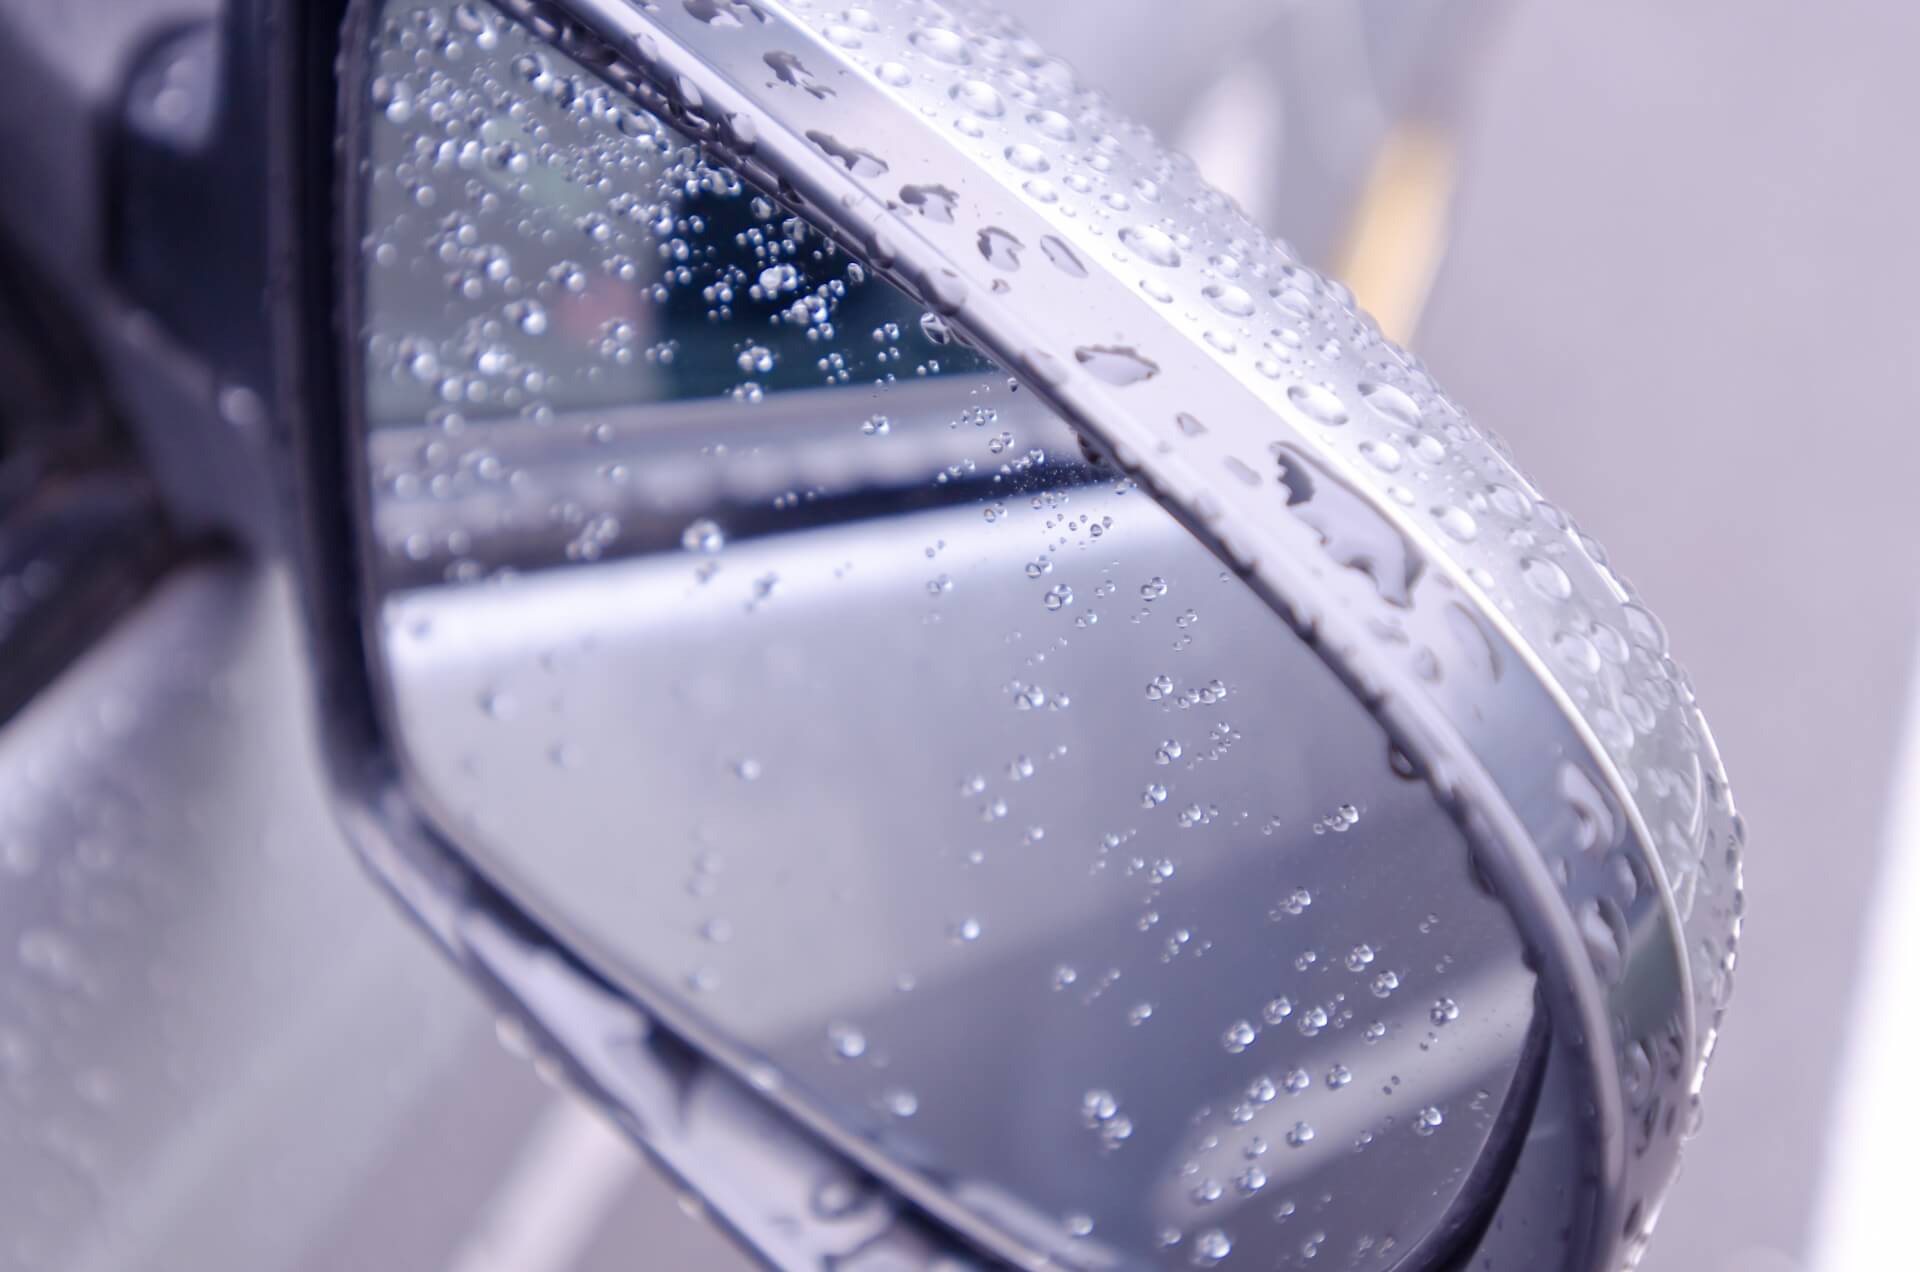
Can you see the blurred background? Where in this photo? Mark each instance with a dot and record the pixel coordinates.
(1666, 250)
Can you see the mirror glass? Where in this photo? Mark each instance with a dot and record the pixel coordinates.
(786, 659)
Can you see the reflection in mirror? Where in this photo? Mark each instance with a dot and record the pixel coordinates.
(785, 658)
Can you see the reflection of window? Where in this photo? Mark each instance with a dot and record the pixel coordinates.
(540, 244)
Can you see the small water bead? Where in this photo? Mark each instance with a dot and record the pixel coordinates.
(1277, 1010)
(1139, 1014)
(1444, 1011)
(1339, 822)
(703, 535)
(966, 931)
(1251, 1181)
(1300, 1135)
(1229, 299)
(1059, 596)
(1296, 1081)
(1208, 1191)
(1027, 158)
(979, 98)
(999, 248)
(1053, 124)
(1062, 256)
(724, 13)
(1339, 1076)
(1079, 1225)
(1385, 983)
(1546, 578)
(846, 1041)
(942, 45)
(756, 360)
(893, 74)
(1318, 404)
(1194, 815)
(899, 1102)
(1152, 590)
(1211, 1247)
(1428, 1120)
(1116, 364)
(1576, 653)
(876, 426)
(1391, 404)
(1644, 629)
(1457, 522)
(1160, 687)
(1294, 903)
(1239, 1036)
(1100, 1112)
(1151, 245)
(1167, 752)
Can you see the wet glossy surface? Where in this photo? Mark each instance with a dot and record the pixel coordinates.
(936, 778)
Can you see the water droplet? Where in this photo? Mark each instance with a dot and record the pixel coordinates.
(1150, 245)
(941, 45)
(1229, 299)
(979, 98)
(1001, 249)
(1457, 522)
(1062, 256)
(1320, 405)
(1116, 364)
(1391, 404)
(861, 163)
(1546, 578)
(845, 1041)
(1027, 158)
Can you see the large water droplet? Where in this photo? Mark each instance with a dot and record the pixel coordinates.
(1320, 405)
(1116, 364)
(1150, 244)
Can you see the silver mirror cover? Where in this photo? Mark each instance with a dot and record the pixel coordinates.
(1248, 394)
